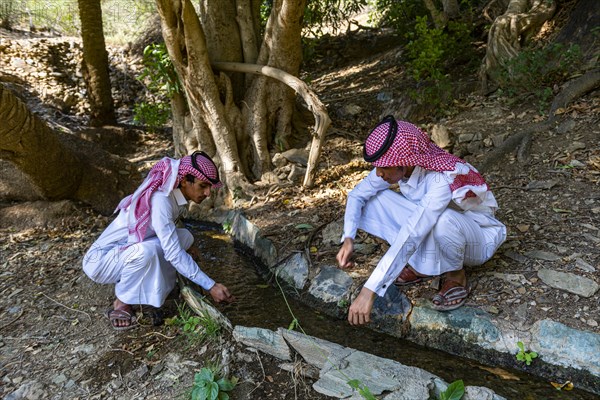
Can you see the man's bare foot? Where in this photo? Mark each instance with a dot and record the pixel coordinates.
(121, 316)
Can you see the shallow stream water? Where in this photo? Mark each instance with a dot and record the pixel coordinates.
(262, 305)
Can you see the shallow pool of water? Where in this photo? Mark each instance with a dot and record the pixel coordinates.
(261, 305)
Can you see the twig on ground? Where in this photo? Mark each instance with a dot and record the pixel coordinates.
(16, 318)
(160, 334)
(69, 308)
(123, 350)
(261, 367)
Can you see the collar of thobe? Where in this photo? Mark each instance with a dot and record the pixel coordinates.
(413, 180)
(179, 197)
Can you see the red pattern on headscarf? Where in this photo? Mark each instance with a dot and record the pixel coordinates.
(412, 147)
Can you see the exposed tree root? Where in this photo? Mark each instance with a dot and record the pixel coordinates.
(522, 140)
(574, 90)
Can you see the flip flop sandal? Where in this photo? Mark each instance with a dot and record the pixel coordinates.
(155, 315)
(442, 300)
(120, 315)
(409, 277)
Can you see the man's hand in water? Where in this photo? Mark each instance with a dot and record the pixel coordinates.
(221, 294)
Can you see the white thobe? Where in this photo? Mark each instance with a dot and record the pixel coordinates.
(423, 225)
(146, 272)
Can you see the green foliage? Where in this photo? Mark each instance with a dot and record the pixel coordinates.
(361, 388)
(534, 72)
(429, 51)
(153, 115)
(523, 355)
(159, 74)
(319, 14)
(293, 325)
(399, 15)
(454, 391)
(162, 82)
(196, 328)
(209, 386)
(227, 226)
(122, 19)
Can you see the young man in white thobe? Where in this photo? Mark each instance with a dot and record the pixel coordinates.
(441, 220)
(142, 250)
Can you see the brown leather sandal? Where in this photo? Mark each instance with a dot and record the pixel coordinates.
(409, 277)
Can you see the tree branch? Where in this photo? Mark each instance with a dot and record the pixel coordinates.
(322, 120)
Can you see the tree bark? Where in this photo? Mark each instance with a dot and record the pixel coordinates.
(322, 120)
(27, 142)
(242, 124)
(61, 165)
(510, 31)
(186, 43)
(95, 64)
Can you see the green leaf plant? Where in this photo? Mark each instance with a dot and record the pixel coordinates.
(454, 391)
(209, 386)
(523, 355)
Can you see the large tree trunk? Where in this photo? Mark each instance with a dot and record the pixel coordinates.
(236, 116)
(95, 64)
(61, 165)
(187, 48)
(521, 20)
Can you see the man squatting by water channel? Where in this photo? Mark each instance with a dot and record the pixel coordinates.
(440, 220)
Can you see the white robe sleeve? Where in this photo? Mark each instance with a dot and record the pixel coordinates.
(162, 219)
(412, 233)
(357, 198)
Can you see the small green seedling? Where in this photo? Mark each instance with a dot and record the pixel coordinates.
(362, 389)
(208, 386)
(526, 356)
(454, 391)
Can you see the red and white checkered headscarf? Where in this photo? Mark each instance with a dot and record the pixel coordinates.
(164, 176)
(408, 146)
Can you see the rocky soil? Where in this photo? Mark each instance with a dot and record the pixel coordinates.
(54, 341)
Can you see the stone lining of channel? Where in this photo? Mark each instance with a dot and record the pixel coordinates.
(564, 353)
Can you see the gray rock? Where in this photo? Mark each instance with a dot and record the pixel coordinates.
(566, 126)
(331, 285)
(294, 270)
(581, 264)
(350, 110)
(480, 393)
(569, 282)
(465, 137)
(513, 255)
(332, 233)
(298, 156)
(542, 255)
(384, 97)
(278, 160)
(365, 248)
(378, 374)
(541, 185)
(296, 173)
(561, 345)
(264, 340)
(30, 390)
(313, 350)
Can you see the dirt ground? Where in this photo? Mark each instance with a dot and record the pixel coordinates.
(56, 344)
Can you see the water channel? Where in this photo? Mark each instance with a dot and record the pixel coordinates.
(261, 305)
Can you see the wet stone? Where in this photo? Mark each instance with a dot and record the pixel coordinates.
(331, 285)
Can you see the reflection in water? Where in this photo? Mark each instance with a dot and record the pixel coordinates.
(261, 305)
